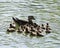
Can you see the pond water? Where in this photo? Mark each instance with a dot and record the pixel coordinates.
(43, 10)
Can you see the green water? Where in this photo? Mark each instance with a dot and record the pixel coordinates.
(43, 10)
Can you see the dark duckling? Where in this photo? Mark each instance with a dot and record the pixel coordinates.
(22, 27)
(39, 31)
(27, 27)
(48, 31)
(12, 26)
(47, 27)
(27, 31)
(33, 31)
(19, 30)
(42, 26)
(35, 25)
(38, 28)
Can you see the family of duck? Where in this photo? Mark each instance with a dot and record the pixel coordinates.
(34, 29)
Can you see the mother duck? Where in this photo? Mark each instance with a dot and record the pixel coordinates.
(23, 22)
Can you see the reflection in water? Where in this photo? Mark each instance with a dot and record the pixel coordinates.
(43, 10)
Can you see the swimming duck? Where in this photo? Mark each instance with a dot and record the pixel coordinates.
(23, 22)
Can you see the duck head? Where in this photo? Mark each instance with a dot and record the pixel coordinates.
(31, 18)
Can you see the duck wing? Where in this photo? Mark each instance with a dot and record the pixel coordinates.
(20, 22)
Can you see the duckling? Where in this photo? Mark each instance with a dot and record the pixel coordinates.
(38, 29)
(48, 31)
(12, 26)
(10, 29)
(47, 27)
(32, 29)
(19, 30)
(42, 26)
(35, 25)
(27, 31)
(27, 27)
(39, 34)
(24, 29)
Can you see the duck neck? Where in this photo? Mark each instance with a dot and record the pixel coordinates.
(30, 21)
